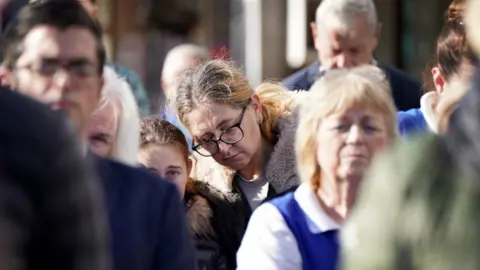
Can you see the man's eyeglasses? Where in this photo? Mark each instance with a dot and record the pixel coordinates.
(49, 68)
(230, 135)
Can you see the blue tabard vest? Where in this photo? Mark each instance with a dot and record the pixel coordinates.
(318, 251)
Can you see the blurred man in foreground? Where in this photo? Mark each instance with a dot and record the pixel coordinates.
(52, 214)
(54, 53)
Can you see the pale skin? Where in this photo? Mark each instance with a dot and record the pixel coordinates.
(169, 85)
(346, 144)
(91, 9)
(246, 156)
(449, 90)
(66, 52)
(339, 47)
(168, 162)
(102, 130)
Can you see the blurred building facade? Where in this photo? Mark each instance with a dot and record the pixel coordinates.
(140, 33)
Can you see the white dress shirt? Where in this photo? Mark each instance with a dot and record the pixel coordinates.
(322, 69)
(268, 243)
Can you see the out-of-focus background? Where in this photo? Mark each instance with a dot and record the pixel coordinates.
(252, 32)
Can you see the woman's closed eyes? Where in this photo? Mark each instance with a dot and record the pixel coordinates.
(367, 127)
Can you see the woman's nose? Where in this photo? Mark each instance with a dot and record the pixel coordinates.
(355, 135)
(223, 147)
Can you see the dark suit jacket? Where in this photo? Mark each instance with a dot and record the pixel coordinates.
(147, 219)
(52, 213)
(406, 91)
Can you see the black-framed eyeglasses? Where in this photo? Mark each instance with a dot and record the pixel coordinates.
(230, 135)
(49, 68)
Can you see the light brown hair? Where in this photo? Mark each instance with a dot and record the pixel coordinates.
(218, 81)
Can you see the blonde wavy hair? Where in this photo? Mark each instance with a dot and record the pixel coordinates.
(336, 92)
(218, 81)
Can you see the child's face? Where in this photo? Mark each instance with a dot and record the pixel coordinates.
(168, 162)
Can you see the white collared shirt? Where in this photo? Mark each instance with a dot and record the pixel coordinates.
(268, 243)
(427, 103)
(322, 69)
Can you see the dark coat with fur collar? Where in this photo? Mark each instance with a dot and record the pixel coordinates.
(217, 225)
(279, 170)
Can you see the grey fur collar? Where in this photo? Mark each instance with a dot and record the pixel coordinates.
(280, 169)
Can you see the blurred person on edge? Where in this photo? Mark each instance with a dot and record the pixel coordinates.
(52, 212)
(447, 78)
(346, 33)
(432, 223)
(54, 53)
(418, 208)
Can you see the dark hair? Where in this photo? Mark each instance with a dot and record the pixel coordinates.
(60, 14)
(155, 131)
(452, 47)
(55, 209)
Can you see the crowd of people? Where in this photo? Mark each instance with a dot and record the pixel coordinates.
(349, 163)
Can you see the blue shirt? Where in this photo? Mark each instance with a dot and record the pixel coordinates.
(318, 250)
(411, 122)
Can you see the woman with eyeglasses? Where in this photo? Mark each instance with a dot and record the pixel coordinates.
(242, 138)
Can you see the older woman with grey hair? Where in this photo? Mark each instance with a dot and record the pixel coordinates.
(114, 129)
(345, 120)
